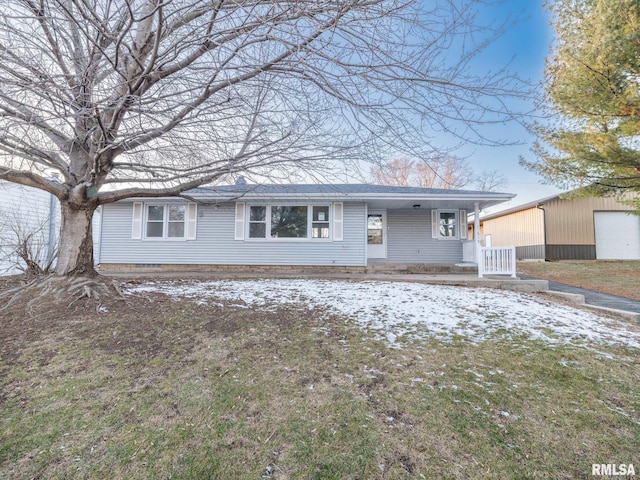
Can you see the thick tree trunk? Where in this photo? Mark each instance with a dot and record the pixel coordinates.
(75, 245)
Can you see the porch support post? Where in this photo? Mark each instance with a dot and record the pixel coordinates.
(476, 234)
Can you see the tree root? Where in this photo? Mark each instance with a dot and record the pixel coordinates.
(52, 292)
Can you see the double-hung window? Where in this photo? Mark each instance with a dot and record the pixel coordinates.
(320, 224)
(165, 221)
(257, 222)
(449, 224)
(289, 222)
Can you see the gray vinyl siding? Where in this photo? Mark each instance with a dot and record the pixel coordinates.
(409, 239)
(215, 242)
(28, 211)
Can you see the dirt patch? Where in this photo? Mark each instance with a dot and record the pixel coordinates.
(11, 281)
(142, 326)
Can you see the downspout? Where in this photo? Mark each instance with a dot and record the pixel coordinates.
(96, 258)
(540, 207)
(53, 234)
(366, 225)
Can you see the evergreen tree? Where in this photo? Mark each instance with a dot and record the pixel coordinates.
(593, 91)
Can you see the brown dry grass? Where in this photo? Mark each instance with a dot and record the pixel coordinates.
(613, 277)
(156, 388)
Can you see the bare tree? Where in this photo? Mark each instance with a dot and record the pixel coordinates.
(443, 171)
(490, 181)
(439, 171)
(151, 98)
(399, 172)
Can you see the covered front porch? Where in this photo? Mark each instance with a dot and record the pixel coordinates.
(430, 236)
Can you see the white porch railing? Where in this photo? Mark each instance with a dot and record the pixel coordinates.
(497, 261)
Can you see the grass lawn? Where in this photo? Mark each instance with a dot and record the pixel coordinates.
(608, 276)
(185, 389)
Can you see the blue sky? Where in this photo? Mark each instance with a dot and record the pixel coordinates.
(526, 45)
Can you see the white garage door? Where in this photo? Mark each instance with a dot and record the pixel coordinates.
(617, 236)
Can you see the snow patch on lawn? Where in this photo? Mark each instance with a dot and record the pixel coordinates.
(400, 310)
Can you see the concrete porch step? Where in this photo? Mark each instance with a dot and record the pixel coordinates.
(421, 268)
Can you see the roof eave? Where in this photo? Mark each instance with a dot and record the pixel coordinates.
(357, 196)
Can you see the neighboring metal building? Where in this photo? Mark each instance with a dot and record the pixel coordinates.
(566, 228)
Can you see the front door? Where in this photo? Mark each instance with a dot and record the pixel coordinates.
(377, 234)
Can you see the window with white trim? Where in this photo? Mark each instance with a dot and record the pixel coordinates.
(310, 222)
(165, 222)
(320, 225)
(257, 221)
(448, 223)
(289, 221)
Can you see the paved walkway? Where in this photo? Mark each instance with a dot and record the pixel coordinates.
(596, 298)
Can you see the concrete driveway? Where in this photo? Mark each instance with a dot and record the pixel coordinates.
(598, 299)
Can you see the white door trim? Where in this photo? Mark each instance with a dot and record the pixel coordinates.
(377, 250)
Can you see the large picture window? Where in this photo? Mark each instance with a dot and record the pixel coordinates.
(165, 221)
(289, 222)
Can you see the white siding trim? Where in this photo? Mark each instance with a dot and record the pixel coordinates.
(364, 231)
(136, 224)
(192, 220)
(240, 214)
(96, 224)
(338, 222)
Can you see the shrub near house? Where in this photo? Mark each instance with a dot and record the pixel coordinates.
(29, 219)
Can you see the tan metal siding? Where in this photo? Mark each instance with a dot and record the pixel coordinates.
(570, 221)
(523, 228)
